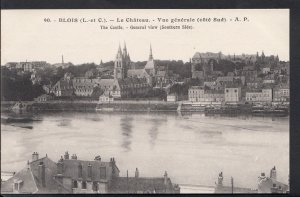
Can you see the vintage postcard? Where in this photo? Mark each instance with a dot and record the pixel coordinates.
(145, 101)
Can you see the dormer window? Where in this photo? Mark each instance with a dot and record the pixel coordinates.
(17, 185)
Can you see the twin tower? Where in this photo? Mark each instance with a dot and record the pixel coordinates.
(123, 62)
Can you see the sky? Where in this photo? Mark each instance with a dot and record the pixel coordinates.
(26, 36)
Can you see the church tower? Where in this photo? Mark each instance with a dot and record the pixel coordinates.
(150, 67)
(150, 55)
(126, 56)
(120, 67)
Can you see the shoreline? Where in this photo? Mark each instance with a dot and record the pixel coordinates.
(139, 106)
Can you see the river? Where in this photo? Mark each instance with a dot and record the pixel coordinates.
(192, 148)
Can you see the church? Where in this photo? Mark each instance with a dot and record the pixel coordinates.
(127, 83)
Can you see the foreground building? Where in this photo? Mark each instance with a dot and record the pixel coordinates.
(71, 175)
(265, 185)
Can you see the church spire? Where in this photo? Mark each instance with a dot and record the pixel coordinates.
(119, 54)
(125, 46)
(125, 54)
(150, 56)
(62, 59)
(119, 48)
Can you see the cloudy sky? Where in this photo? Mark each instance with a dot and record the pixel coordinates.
(26, 36)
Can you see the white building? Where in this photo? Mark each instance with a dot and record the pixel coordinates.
(172, 97)
(265, 95)
(195, 93)
(233, 94)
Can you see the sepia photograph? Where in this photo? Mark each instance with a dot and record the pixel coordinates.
(145, 101)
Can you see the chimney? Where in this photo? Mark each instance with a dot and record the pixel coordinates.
(60, 166)
(112, 161)
(35, 156)
(28, 165)
(66, 156)
(166, 178)
(89, 176)
(97, 158)
(41, 174)
(79, 170)
(136, 173)
(273, 173)
(220, 178)
(74, 156)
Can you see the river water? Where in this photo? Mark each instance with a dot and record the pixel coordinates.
(192, 148)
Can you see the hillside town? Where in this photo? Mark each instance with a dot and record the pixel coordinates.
(212, 81)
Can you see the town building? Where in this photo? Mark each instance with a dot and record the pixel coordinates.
(231, 79)
(84, 86)
(233, 93)
(220, 188)
(195, 93)
(254, 83)
(44, 98)
(266, 69)
(263, 95)
(80, 176)
(269, 80)
(281, 93)
(34, 178)
(125, 88)
(31, 66)
(203, 64)
(200, 94)
(11, 65)
(144, 185)
(64, 87)
(106, 97)
(70, 175)
(271, 184)
(172, 97)
(265, 185)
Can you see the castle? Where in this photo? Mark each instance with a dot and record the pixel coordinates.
(204, 64)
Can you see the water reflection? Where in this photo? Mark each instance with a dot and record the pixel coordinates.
(64, 123)
(126, 129)
(153, 131)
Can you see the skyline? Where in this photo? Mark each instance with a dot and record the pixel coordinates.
(32, 39)
(62, 57)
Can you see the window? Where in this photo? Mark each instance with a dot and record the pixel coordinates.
(235, 91)
(227, 91)
(75, 184)
(16, 185)
(103, 172)
(95, 186)
(83, 184)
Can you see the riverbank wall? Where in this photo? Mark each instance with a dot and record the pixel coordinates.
(92, 105)
(135, 106)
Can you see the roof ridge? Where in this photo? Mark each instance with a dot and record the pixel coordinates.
(37, 189)
(39, 159)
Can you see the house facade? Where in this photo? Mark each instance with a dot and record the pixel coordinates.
(71, 175)
(264, 95)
